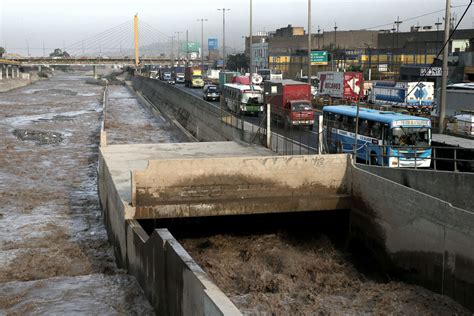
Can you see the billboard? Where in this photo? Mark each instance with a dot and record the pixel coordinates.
(212, 43)
(193, 47)
(319, 57)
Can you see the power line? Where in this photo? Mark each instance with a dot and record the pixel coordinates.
(413, 18)
(442, 48)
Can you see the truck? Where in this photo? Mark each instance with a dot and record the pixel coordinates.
(226, 77)
(178, 74)
(290, 102)
(193, 77)
(348, 86)
(213, 76)
(412, 96)
(166, 74)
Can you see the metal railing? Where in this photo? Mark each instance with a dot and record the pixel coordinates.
(442, 158)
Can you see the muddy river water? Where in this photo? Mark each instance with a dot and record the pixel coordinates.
(54, 253)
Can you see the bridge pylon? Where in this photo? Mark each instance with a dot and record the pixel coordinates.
(135, 28)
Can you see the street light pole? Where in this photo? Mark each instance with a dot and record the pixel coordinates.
(309, 42)
(178, 45)
(444, 78)
(172, 50)
(202, 41)
(223, 36)
(250, 50)
(335, 45)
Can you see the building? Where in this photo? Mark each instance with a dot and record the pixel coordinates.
(288, 49)
(259, 53)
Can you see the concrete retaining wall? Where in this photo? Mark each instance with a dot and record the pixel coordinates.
(428, 241)
(204, 122)
(171, 280)
(454, 187)
(240, 185)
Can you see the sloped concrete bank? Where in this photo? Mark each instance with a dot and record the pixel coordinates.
(202, 121)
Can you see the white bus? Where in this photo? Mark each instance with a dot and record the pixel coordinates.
(243, 99)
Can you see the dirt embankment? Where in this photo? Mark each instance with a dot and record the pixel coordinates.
(276, 274)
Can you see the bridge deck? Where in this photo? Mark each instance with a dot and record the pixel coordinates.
(222, 178)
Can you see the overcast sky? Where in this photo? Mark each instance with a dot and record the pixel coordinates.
(62, 23)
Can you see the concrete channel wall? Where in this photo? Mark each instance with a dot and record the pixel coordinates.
(456, 188)
(171, 280)
(426, 240)
(240, 185)
(201, 120)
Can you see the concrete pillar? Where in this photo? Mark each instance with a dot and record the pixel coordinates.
(6, 71)
(39, 68)
(94, 71)
(1, 72)
(18, 72)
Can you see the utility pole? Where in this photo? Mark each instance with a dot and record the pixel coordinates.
(397, 23)
(83, 48)
(223, 36)
(438, 24)
(444, 78)
(417, 28)
(319, 31)
(309, 42)
(178, 44)
(202, 41)
(28, 48)
(250, 47)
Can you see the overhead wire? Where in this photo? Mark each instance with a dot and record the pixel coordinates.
(442, 48)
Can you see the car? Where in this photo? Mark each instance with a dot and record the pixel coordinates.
(211, 93)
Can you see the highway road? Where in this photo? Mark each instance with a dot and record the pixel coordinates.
(301, 135)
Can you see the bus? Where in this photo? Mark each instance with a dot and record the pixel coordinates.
(384, 138)
(243, 99)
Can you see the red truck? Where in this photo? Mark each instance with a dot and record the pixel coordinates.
(290, 101)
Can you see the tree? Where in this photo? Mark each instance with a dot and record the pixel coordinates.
(237, 62)
(59, 53)
(2, 51)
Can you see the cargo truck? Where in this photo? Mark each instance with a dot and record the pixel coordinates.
(226, 77)
(290, 102)
(412, 96)
(348, 86)
(178, 74)
(193, 77)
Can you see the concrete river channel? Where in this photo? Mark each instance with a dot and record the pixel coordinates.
(55, 257)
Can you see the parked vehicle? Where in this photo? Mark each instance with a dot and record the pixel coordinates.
(243, 99)
(413, 96)
(211, 93)
(341, 85)
(193, 77)
(384, 137)
(290, 102)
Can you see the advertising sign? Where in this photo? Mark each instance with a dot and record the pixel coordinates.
(212, 43)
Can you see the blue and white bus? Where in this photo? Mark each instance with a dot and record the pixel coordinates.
(385, 138)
